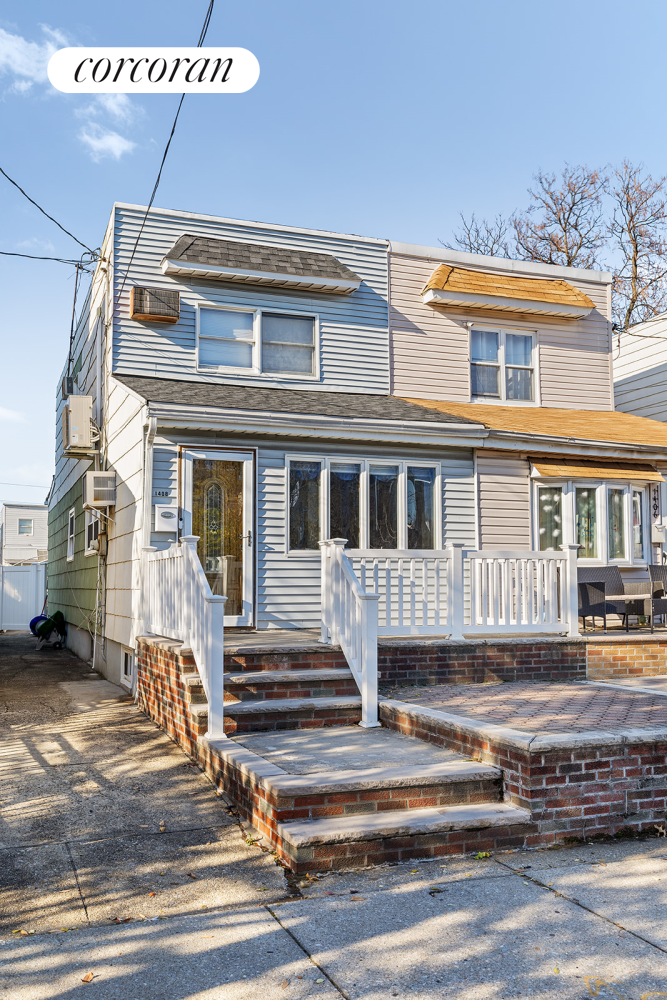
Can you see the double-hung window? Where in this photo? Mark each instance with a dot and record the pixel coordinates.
(25, 526)
(258, 342)
(502, 365)
(92, 532)
(606, 520)
(71, 524)
(371, 503)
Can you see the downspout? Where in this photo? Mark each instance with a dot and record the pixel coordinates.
(151, 431)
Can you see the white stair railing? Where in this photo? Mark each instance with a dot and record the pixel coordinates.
(178, 603)
(350, 620)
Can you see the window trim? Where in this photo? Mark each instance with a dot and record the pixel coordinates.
(71, 534)
(125, 679)
(326, 461)
(256, 370)
(601, 487)
(502, 399)
(90, 517)
(26, 534)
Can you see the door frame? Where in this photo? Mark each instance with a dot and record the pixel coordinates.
(249, 457)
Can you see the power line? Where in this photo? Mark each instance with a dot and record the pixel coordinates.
(33, 202)
(30, 256)
(30, 486)
(202, 36)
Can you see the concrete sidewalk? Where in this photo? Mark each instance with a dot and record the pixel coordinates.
(90, 885)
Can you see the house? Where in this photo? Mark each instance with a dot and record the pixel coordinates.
(23, 533)
(264, 388)
(640, 368)
(292, 465)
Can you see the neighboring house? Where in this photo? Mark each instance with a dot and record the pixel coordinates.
(23, 533)
(265, 388)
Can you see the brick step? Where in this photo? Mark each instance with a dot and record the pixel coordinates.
(282, 713)
(361, 840)
(276, 684)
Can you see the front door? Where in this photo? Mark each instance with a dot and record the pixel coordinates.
(218, 507)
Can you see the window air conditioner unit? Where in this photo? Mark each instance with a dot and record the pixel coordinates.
(155, 305)
(99, 489)
(78, 431)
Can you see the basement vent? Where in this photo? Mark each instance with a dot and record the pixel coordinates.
(154, 305)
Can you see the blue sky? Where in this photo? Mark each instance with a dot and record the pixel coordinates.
(377, 117)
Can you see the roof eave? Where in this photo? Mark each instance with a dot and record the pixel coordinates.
(215, 272)
(584, 447)
(469, 300)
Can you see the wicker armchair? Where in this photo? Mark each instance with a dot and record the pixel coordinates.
(609, 577)
(658, 578)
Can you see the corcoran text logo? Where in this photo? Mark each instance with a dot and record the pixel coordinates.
(153, 70)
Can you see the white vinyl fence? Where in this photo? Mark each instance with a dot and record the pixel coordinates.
(22, 593)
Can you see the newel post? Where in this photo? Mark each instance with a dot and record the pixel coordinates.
(571, 590)
(146, 595)
(456, 590)
(368, 624)
(325, 592)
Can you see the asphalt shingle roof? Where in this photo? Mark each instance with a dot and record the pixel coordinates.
(328, 404)
(255, 257)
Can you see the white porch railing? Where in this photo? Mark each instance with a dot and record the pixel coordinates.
(368, 593)
(178, 603)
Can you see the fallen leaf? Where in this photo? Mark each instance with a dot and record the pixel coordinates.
(415, 871)
(556, 970)
(482, 854)
(319, 980)
(357, 899)
(285, 983)
(24, 932)
(88, 978)
(190, 875)
(17, 931)
(151, 893)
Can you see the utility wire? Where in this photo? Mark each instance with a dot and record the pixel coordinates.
(202, 36)
(30, 486)
(62, 260)
(47, 215)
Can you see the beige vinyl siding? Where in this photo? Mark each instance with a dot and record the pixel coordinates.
(429, 346)
(640, 372)
(504, 500)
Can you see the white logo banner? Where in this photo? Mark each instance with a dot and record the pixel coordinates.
(153, 70)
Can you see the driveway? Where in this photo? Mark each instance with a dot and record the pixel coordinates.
(120, 862)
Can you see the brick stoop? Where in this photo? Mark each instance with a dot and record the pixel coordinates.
(354, 818)
(579, 784)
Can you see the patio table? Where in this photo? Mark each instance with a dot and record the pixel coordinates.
(632, 597)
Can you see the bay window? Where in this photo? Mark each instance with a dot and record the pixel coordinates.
(372, 504)
(502, 365)
(256, 342)
(606, 520)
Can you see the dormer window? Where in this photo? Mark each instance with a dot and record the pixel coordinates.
(502, 366)
(251, 341)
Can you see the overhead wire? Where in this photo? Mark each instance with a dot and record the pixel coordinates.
(55, 221)
(62, 260)
(202, 36)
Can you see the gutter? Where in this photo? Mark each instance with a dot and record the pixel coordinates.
(512, 441)
(317, 426)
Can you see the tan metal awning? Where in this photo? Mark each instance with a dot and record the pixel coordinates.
(487, 290)
(558, 468)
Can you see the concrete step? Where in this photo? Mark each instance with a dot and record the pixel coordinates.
(283, 713)
(367, 839)
(277, 684)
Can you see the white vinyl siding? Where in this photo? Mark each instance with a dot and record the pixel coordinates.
(640, 371)
(504, 500)
(429, 346)
(353, 353)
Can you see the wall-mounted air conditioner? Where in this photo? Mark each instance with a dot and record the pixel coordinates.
(155, 305)
(79, 433)
(99, 489)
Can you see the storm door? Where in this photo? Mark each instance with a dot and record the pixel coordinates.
(218, 508)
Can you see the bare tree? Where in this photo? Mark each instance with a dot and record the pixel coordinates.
(565, 222)
(488, 238)
(638, 230)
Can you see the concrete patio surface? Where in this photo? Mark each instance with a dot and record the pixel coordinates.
(546, 707)
(87, 785)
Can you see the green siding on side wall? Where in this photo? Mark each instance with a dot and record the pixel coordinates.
(71, 585)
